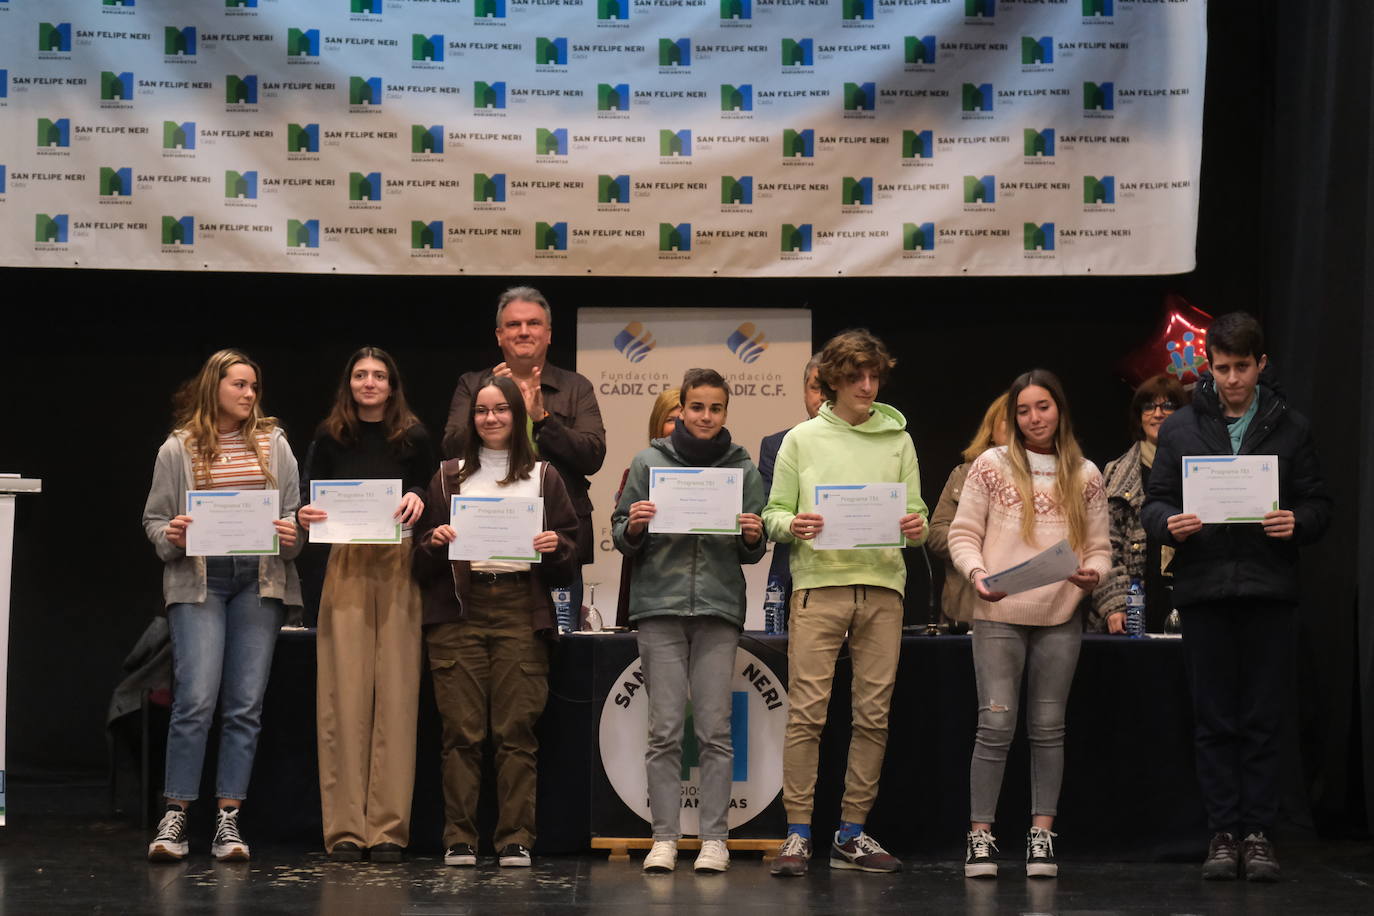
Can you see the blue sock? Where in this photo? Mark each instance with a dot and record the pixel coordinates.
(802, 830)
(848, 831)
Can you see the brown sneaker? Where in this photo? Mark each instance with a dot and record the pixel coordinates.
(1258, 855)
(793, 858)
(1222, 862)
(863, 854)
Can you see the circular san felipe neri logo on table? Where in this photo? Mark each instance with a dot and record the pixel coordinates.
(757, 722)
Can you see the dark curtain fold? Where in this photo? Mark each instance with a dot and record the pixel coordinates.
(1365, 497)
(1312, 254)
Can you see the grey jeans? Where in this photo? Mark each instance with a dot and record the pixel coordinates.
(1001, 651)
(683, 656)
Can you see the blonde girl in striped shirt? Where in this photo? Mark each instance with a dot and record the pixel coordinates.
(223, 612)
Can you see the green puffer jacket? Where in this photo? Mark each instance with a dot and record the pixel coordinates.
(686, 574)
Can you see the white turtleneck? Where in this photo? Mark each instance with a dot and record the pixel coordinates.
(487, 482)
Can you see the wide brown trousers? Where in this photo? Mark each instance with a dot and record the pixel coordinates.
(368, 693)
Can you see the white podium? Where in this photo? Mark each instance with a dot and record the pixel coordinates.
(11, 485)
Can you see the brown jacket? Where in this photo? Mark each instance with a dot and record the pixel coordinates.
(446, 584)
(958, 598)
(572, 437)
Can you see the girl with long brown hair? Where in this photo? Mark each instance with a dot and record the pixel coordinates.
(223, 612)
(1018, 500)
(487, 623)
(368, 642)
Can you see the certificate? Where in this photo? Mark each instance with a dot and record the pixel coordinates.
(360, 511)
(226, 523)
(1045, 568)
(860, 515)
(696, 500)
(496, 527)
(1230, 488)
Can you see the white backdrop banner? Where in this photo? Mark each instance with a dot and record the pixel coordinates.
(630, 355)
(603, 137)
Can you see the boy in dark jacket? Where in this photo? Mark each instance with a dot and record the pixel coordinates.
(1236, 587)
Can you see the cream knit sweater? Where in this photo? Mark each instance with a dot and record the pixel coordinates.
(986, 533)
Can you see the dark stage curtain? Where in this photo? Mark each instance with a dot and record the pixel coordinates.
(1313, 256)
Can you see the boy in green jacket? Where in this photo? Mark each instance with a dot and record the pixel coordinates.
(687, 599)
(858, 593)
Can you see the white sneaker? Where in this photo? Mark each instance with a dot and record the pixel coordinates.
(662, 857)
(714, 856)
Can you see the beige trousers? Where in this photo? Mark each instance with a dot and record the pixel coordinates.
(820, 619)
(368, 693)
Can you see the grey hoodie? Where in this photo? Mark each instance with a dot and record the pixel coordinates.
(183, 577)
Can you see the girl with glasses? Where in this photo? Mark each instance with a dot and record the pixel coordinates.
(487, 624)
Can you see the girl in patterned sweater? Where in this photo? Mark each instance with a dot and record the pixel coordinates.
(1018, 500)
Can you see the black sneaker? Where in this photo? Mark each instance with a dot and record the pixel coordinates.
(347, 851)
(513, 855)
(1040, 853)
(386, 852)
(1258, 855)
(169, 843)
(228, 845)
(978, 863)
(460, 854)
(1222, 861)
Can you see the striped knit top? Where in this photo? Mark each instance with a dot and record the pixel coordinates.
(236, 467)
(986, 533)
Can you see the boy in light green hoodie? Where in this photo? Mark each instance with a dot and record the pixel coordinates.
(838, 593)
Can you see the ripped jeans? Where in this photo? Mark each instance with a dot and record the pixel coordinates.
(1001, 651)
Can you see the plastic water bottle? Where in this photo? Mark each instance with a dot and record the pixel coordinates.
(1135, 609)
(562, 608)
(774, 606)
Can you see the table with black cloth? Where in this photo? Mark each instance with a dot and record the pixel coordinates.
(1129, 785)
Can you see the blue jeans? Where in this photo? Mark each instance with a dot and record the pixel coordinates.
(221, 652)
